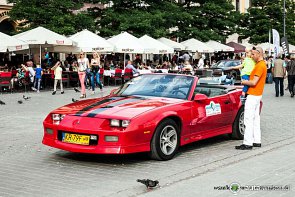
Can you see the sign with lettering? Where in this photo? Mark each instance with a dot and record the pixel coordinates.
(285, 45)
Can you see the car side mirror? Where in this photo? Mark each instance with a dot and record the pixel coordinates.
(200, 97)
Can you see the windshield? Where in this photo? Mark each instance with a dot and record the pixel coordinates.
(158, 85)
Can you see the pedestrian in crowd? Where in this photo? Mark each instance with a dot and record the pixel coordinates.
(95, 66)
(269, 68)
(38, 78)
(134, 70)
(57, 77)
(186, 57)
(201, 63)
(252, 136)
(29, 68)
(291, 76)
(279, 72)
(83, 64)
(74, 66)
(247, 66)
(20, 76)
(187, 66)
(286, 60)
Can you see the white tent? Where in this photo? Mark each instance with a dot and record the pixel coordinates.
(41, 36)
(266, 46)
(9, 43)
(87, 42)
(197, 46)
(126, 43)
(175, 45)
(219, 47)
(153, 46)
(291, 49)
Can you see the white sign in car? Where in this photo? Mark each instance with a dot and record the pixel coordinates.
(213, 109)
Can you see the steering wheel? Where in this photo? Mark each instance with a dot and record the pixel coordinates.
(180, 91)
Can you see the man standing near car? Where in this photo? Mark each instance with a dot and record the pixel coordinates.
(252, 136)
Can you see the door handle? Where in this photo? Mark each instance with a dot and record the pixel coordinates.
(227, 102)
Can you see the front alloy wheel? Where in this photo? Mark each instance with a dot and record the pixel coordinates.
(165, 141)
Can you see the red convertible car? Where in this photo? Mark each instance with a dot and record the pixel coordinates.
(153, 113)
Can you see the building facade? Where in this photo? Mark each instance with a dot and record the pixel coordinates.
(6, 24)
(242, 5)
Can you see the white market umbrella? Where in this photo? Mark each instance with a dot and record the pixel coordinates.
(9, 43)
(266, 46)
(42, 36)
(87, 41)
(126, 43)
(175, 45)
(195, 45)
(154, 46)
(219, 47)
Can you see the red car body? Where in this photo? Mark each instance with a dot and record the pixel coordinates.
(92, 117)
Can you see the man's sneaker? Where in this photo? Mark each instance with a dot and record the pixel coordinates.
(256, 144)
(34, 89)
(54, 92)
(38, 91)
(62, 92)
(244, 147)
(92, 92)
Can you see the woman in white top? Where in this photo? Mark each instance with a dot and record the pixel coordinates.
(95, 67)
(57, 77)
(83, 64)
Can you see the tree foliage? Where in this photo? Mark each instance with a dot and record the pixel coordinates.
(265, 15)
(56, 15)
(201, 19)
(204, 20)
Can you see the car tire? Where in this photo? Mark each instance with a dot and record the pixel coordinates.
(164, 146)
(238, 125)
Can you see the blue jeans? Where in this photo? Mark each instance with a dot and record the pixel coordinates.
(37, 83)
(245, 88)
(97, 80)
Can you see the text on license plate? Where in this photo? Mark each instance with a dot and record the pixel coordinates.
(75, 138)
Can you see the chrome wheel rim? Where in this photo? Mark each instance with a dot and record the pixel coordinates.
(168, 140)
(241, 124)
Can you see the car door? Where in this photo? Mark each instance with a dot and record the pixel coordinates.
(212, 113)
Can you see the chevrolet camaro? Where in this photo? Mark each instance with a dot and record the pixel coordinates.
(155, 113)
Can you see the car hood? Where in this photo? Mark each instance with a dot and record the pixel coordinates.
(115, 107)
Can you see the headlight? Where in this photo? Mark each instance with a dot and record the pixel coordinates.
(119, 123)
(57, 118)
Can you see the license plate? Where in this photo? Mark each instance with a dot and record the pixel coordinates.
(75, 138)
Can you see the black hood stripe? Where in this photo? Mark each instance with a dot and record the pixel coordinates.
(104, 108)
(125, 101)
(85, 109)
(95, 112)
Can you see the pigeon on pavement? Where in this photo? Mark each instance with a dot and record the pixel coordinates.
(2, 103)
(74, 100)
(148, 183)
(20, 102)
(76, 90)
(26, 97)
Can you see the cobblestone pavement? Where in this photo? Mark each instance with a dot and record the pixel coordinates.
(29, 168)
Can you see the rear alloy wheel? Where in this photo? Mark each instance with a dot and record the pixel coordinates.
(238, 125)
(165, 141)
